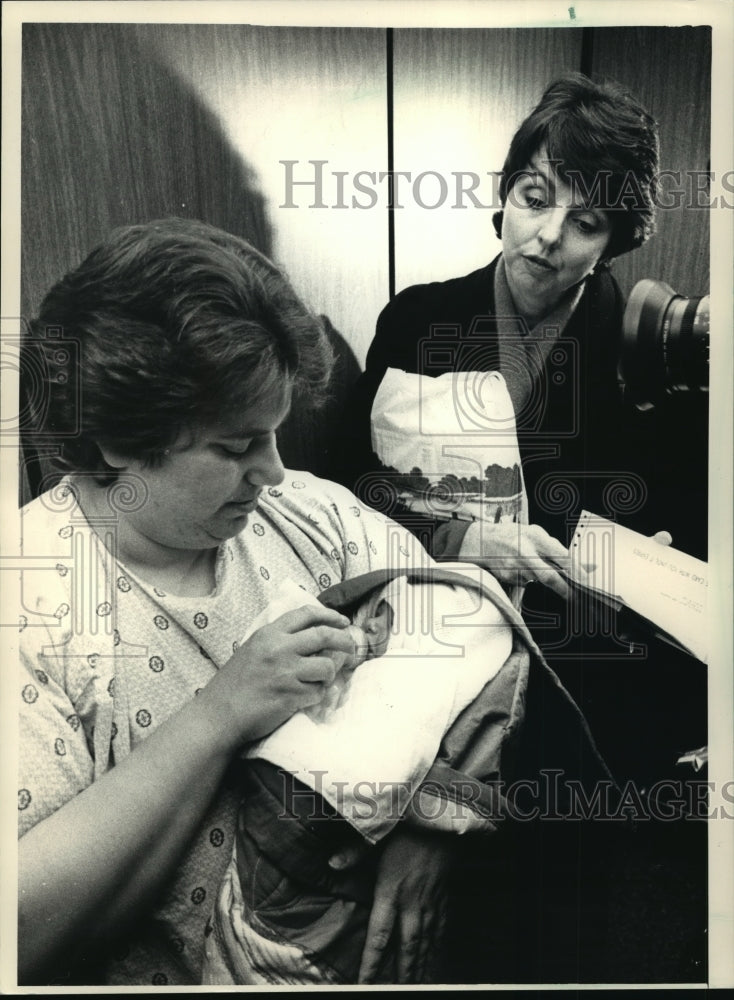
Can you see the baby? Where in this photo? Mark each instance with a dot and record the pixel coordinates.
(345, 771)
(371, 627)
(370, 633)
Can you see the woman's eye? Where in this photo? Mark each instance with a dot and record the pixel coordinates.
(234, 452)
(534, 200)
(587, 225)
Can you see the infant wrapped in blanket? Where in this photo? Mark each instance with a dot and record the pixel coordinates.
(346, 770)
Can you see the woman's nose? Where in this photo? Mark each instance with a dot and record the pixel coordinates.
(551, 226)
(267, 469)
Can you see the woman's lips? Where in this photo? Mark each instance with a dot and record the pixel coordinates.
(245, 506)
(541, 263)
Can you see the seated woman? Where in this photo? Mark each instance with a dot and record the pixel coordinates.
(172, 530)
(577, 191)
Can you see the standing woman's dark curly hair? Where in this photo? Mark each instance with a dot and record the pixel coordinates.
(602, 142)
(169, 324)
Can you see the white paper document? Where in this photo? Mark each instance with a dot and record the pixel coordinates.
(665, 586)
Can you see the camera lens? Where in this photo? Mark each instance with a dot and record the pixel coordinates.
(665, 344)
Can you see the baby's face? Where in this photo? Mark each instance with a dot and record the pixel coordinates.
(377, 629)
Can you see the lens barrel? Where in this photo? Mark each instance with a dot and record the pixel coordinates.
(665, 344)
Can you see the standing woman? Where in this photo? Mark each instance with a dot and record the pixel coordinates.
(577, 191)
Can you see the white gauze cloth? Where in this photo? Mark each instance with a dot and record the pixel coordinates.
(370, 743)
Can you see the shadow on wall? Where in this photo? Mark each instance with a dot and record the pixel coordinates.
(308, 437)
(111, 137)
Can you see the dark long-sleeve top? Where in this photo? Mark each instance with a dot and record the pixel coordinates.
(572, 432)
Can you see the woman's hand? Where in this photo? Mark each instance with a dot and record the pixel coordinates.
(408, 917)
(127, 830)
(283, 667)
(517, 554)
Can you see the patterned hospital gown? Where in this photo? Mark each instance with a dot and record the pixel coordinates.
(106, 658)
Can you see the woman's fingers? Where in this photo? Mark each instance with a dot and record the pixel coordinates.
(543, 559)
(284, 666)
(663, 538)
(379, 931)
(313, 629)
(322, 637)
(519, 553)
(316, 670)
(310, 615)
(347, 858)
(435, 944)
(411, 956)
(539, 544)
(553, 580)
(431, 934)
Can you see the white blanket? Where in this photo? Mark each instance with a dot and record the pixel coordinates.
(371, 742)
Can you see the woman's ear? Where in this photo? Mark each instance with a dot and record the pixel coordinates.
(497, 223)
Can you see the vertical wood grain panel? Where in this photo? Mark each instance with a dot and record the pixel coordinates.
(302, 94)
(110, 137)
(459, 96)
(125, 123)
(669, 71)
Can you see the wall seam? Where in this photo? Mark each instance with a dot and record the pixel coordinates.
(389, 69)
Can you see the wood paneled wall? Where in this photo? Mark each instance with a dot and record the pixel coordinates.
(669, 70)
(125, 122)
(459, 97)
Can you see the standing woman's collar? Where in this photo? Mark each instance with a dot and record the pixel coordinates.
(556, 319)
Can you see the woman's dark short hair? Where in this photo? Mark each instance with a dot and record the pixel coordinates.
(171, 324)
(603, 143)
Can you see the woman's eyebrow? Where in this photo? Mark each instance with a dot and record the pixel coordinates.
(247, 434)
(246, 431)
(543, 171)
(586, 206)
